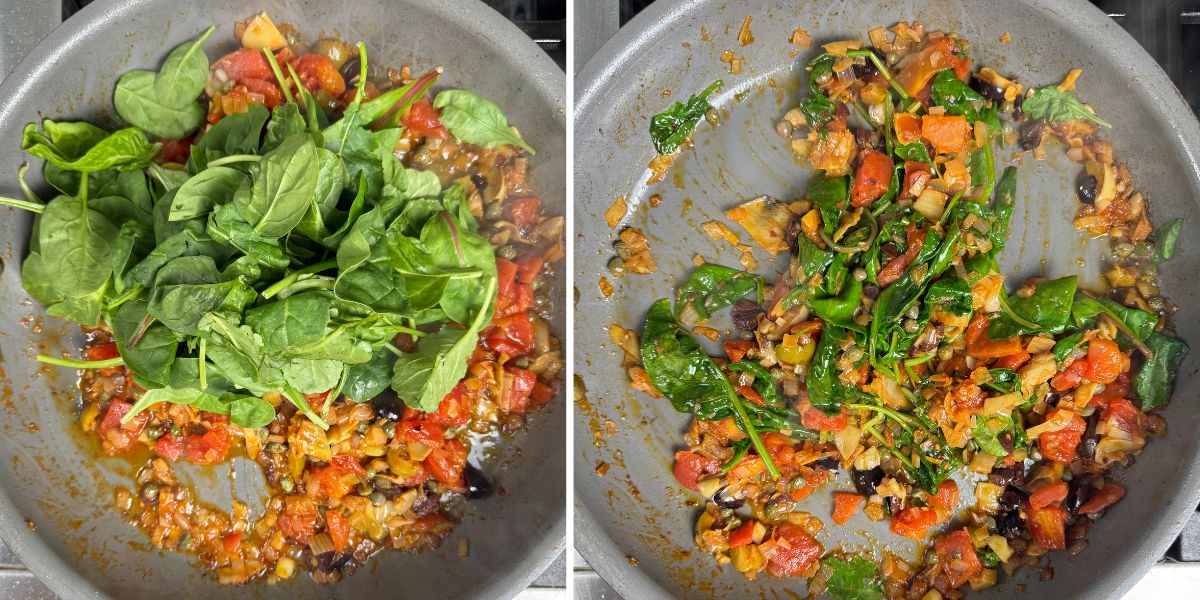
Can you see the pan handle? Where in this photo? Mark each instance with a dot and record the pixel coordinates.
(22, 26)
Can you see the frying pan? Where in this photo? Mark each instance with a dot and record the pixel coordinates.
(56, 508)
(633, 524)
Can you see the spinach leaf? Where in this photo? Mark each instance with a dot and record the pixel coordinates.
(456, 247)
(952, 93)
(365, 381)
(476, 120)
(675, 126)
(916, 151)
(988, 437)
(226, 226)
(1052, 105)
(284, 184)
(826, 390)
(840, 309)
(952, 294)
(211, 187)
(1152, 382)
(189, 287)
(424, 377)
(134, 241)
(239, 133)
(181, 79)
(713, 287)
(119, 209)
(249, 411)
(76, 245)
(1049, 308)
(831, 195)
(1064, 347)
(1003, 204)
(152, 357)
(816, 107)
(138, 104)
(854, 579)
(62, 146)
(1004, 380)
(312, 375)
(1165, 238)
(286, 121)
(1139, 322)
(293, 321)
(324, 203)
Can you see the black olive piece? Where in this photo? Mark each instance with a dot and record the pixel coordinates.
(865, 481)
(1018, 107)
(868, 138)
(828, 463)
(1087, 447)
(350, 71)
(426, 505)
(389, 406)
(792, 232)
(868, 68)
(745, 314)
(1011, 475)
(871, 291)
(1011, 499)
(988, 90)
(1010, 524)
(331, 561)
(1031, 134)
(477, 485)
(1086, 187)
(1078, 492)
(720, 499)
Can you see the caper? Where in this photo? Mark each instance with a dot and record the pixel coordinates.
(377, 498)
(1150, 270)
(539, 282)
(1156, 303)
(389, 429)
(541, 298)
(363, 426)
(287, 484)
(623, 250)
(911, 326)
(854, 354)
(364, 489)
(784, 129)
(860, 274)
(1123, 249)
(913, 311)
(507, 251)
(713, 117)
(176, 431)
(155, 431)
(493, 211)
(945, 353)
(798, 483)
(276, 447)
(521, 362)
(616, 266)
(778, 508)
(892, 58)
(150, 493)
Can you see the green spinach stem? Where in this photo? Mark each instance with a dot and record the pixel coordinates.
(883, 70)
(283, 84)
(744, 417)
(33, 207)
(292, 277)
(233, 158)
(81, 364)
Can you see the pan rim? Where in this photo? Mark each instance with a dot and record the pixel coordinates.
(543, 76)
(592, 540)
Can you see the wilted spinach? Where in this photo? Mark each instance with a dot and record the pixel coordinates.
(674, 126)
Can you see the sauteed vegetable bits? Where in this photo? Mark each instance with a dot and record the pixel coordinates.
(891, 348)
(344, 274)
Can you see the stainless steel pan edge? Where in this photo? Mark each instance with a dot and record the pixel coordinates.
(80, 548)
(621, 87)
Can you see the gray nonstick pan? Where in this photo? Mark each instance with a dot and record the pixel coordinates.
(632, 523)
(56, 496)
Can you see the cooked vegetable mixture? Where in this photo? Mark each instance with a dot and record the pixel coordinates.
(298, 255)
(892, 349)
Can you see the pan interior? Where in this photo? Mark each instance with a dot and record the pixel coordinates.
(637, 510)
(51, 479)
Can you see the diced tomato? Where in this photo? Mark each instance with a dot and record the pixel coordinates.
(208, 448)
(506, 277)
(689, 466)
(170, 447)
(1105, 361)
(736, 349)
(913, 522)
(967, 397)
(348, 463)
(323, 74)
(339, 529)
(420, 432)
(980, 345)
(526, 212)
(1069, 377)
(1048, 526)
(231, 541)
(958, 558)
(446, 464)
(176, 151)
(795, 552)
(749, 467)
(1122, 415)
(812, 482)
(454, 409)
(1012, 361)
(845, 504)
(541, 395)
(742, 536)
(298, 520)
(896, 267)
(334, 482)
(515, 389)
(872, 179)
(816, 419)
(272, 96)
(750, 394)
(908, 129)
(1107, 496)
(1048, 494)
(117, 409)
(1114, 391)
(780, 447)
(423, 119)
(916, 177)
(945, 500)
(1059, 446)
(511, 335)
(245, 63)
(528, 268)
(947, 133)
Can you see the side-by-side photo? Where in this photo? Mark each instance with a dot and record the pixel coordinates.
(286, 289)
(885, 300)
